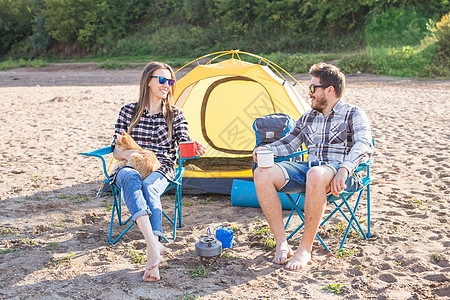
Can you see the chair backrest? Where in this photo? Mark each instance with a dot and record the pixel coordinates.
(272, 127)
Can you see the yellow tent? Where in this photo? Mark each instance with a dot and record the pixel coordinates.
(221, 100)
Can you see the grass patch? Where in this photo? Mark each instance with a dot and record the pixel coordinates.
(9, 250)
(8, 231)
(229, 255)
(58, 224)
(263, 232)
(107, 206)
(54, 262)
(345, 252)
(405, 61)
(26, 241)
(200, 272)
(437, 257)
(187, 203)
(206, 201)
(336, 288)
(78, 199)
(338, 230)
(54, 246)
(114, 65)
(188, 296)
(137, 257)
(417, 202)
(20, 63)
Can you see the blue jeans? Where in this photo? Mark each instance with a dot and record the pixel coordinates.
(143, 197)
(295, 173)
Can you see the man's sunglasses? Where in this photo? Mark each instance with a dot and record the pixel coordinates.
(162, 80)
(312, 88)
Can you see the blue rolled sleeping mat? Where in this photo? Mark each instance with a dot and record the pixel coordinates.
(243, 193)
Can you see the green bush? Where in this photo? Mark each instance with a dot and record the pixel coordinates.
(442, 33)
(395, 27)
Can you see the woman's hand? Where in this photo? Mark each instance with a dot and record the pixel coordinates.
(200, 149)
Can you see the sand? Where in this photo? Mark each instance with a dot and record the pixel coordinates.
(53, 242)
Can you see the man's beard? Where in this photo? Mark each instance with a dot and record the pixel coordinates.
(320, 104)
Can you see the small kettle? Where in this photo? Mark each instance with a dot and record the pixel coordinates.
(208, 246)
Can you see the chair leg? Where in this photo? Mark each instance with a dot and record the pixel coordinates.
(368, 210)
(117, 208)
(302, 217)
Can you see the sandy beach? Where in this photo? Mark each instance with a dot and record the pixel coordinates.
(54, 230)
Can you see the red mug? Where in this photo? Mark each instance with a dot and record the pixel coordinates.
(188, 149)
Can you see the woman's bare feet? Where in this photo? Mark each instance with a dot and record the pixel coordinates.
(282, 253)
(300, 259)
(151, 272)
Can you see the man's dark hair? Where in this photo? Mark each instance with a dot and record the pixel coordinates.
(329, 75)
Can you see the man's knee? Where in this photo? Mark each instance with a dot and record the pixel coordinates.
(317, 179)
(262, 176)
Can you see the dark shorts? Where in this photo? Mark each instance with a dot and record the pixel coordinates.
(295, 173)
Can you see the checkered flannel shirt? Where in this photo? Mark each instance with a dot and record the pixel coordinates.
(151, 133)
(342, 136)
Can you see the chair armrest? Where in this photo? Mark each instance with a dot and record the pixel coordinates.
(100, 153)
(283, 158)
(364, 165)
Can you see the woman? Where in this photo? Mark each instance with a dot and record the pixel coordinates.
(158, 126)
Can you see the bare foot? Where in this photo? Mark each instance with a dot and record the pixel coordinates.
(151, 273)
(300, 259)
(282, 253)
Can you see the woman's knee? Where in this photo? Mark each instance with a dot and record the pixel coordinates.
(129, 175)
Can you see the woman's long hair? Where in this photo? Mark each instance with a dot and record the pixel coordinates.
(144, 96)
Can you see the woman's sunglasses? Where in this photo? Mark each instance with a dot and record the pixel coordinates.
(312, 88)
(162, 80)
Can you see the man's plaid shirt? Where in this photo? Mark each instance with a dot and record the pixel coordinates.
(343, 136)
(151, 133)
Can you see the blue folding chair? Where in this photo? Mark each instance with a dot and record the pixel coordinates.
(117, 196)
(341, 204)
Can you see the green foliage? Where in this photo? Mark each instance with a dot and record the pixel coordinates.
(15, 23)
(54, 262)
(79, 199)
(299, 62)
(114, 65)
(64, 18)
(200, 272)
(9, 250)
(345, 252)
(396, 27)
(406, 61)
(264, 234)
(137, 257)
(191, 28)
(336, 288)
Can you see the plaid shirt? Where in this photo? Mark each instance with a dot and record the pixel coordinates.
(343, 136)
(151, 133)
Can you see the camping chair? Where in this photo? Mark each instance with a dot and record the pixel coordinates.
(341, 204)
(117, 196)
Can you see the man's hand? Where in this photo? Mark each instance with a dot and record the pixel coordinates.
(337, 185)
(255, 158)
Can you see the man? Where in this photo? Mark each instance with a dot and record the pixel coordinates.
(338, 139)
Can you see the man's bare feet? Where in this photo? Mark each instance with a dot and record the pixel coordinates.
(282, 253)
(300, 259)
(151, 272)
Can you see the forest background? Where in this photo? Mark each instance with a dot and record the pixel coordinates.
(391, 37)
